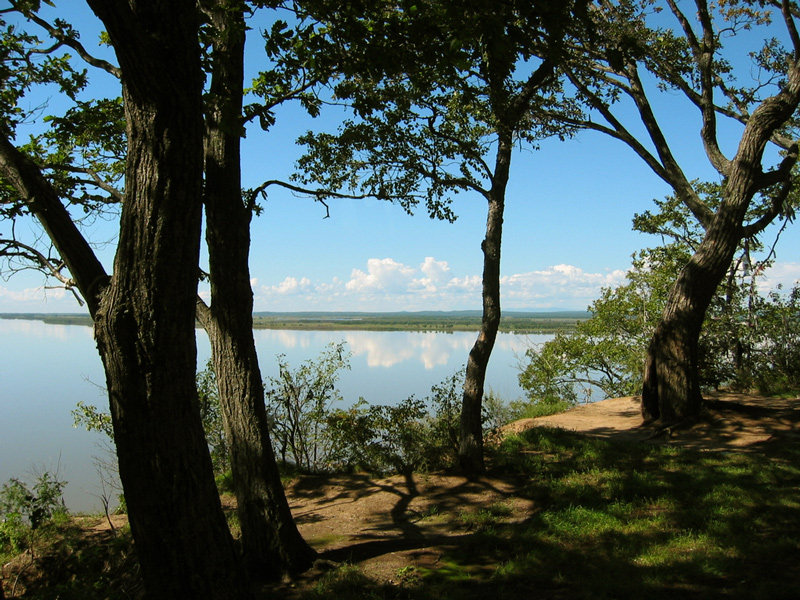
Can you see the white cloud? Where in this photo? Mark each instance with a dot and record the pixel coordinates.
(38, 299)
(291, 285)
(781, 273)
(558, 285)
(388, 285)
(385, 275)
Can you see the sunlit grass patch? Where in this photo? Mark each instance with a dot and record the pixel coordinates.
(620, 520)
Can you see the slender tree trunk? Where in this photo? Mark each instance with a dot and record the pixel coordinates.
(271, 542)
(470, 450)
(145, 323)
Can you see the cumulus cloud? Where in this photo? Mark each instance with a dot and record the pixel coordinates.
(385, 284)
(291, 285)
(558, 285)
(383, 274)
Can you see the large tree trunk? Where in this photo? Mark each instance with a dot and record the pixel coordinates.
(671, 386)
(145, 323)
(470, 450)
(271, 542)
(671, 389)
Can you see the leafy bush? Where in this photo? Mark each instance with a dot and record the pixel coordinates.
(414, 435)
(298, 403)
(312, 435)
(213, 424)
(749, 342)
(24, 510)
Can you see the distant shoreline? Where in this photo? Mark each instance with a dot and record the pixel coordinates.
(437, 321)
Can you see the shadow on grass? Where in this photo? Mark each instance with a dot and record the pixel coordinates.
(611, 520)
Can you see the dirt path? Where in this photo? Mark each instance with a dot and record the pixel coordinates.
(731, 421)
(391, 526)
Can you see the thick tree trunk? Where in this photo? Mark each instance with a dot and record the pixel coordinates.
(145, 323)
(470, 450)
(671, 386)
(671, 380)
(271, 542)
(671, 389)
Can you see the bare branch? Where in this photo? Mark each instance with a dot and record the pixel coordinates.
(40, 262)
(96, 180)
(788, 17)
(665, 165)
(782, 173)
(704, 60)
(64, 40)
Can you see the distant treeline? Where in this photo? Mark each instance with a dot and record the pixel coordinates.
(515, 322)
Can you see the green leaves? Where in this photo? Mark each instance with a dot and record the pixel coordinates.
(433, 87)
(26, 64)
(298, 402)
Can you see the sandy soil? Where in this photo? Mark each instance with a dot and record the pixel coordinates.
(388, 525)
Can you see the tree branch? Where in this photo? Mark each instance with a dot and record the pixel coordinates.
(42, 200)
(14, 248)
(65, 40)
(95, 180)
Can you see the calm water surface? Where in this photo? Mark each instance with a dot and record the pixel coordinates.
(45, 370)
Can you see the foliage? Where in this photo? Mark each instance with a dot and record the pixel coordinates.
(760, 343)
(79, 149)
(312, 435)
(604, 355)
(432, 89)
(411, 436)
(25, 510)
(213, 423)
(75, 562)
(91, 418)
(748, 341)
(297, 403)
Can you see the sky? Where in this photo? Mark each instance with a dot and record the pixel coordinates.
(567, 230)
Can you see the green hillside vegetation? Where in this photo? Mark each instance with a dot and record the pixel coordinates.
(514, 322)
(611, 520)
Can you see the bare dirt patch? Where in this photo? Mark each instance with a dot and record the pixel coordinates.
(393, 525)
(729, 421)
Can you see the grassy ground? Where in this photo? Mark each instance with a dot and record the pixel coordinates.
(621, 520)
(611, 520)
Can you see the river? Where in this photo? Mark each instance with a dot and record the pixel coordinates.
(45, 370)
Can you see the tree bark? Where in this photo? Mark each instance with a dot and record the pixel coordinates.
(145, 322)
(671, 388)
(470, 450)
(44, 203)
(271, 542)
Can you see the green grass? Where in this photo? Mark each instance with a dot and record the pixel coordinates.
(609, 521)
(619, 521)
(628, 520)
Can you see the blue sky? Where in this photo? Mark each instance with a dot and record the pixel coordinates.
(567, 229)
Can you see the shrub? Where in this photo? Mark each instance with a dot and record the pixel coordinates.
(24, 510)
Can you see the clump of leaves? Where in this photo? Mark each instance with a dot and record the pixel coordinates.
(24, 511)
